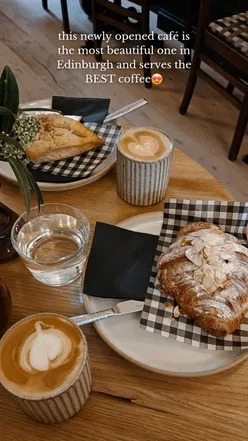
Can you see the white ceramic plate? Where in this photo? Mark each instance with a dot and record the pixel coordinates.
(7, 173)
(150, 351)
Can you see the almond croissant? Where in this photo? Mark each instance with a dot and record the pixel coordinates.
(206, 271)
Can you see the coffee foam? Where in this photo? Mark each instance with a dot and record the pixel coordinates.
(144, 144)
(44, 349)
(40, 355)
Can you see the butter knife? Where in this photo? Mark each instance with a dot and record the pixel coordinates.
(127, 307)
(124, 110)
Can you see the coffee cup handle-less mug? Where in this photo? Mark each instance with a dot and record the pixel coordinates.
(61, 403)
(143, 182)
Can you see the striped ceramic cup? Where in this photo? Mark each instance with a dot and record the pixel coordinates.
(44, 364)
(144, 156)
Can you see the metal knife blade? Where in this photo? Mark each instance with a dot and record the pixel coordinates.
(128, 307)
(125, 110)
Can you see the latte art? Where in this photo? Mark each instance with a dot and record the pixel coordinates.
(41, 355)
(144, 144)
(148, 146)
(44, 349)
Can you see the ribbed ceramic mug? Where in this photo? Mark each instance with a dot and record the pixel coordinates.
(63, 403)
(142, 182)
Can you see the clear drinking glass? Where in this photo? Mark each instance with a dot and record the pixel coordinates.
(52, 243)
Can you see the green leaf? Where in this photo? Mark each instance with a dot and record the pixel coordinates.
(10, 140)
(22, 180)
(36, 189)
(33, 184)
(1, 93)
(5, 111)
(10, 97)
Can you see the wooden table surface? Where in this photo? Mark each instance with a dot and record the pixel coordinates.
(126, 403)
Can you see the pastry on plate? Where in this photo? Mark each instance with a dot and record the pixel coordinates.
(60, 138)
(206, 271)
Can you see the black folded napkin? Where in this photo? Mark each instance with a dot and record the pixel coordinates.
(120, 263)
(91, 110)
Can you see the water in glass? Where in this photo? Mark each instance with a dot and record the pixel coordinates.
(54, 246)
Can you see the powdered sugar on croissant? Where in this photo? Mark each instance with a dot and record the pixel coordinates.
(206, 271)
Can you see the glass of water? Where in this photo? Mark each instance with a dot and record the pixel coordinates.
(52, 242)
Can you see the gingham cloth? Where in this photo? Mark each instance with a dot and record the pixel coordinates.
(233, 30)
(157, 314)
(82, 166)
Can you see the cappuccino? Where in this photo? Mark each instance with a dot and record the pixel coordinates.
(144, 157)
(41, 355)
(144, 144)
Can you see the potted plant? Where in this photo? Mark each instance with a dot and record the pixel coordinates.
(17, 130)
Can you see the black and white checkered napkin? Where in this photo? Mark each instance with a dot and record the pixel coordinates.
(82, 166)
(157, 315)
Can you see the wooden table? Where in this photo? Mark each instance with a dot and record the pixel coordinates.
(126, 403)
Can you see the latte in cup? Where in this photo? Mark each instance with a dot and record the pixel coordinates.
(144, 144)
(45, 357)
(144, 156)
